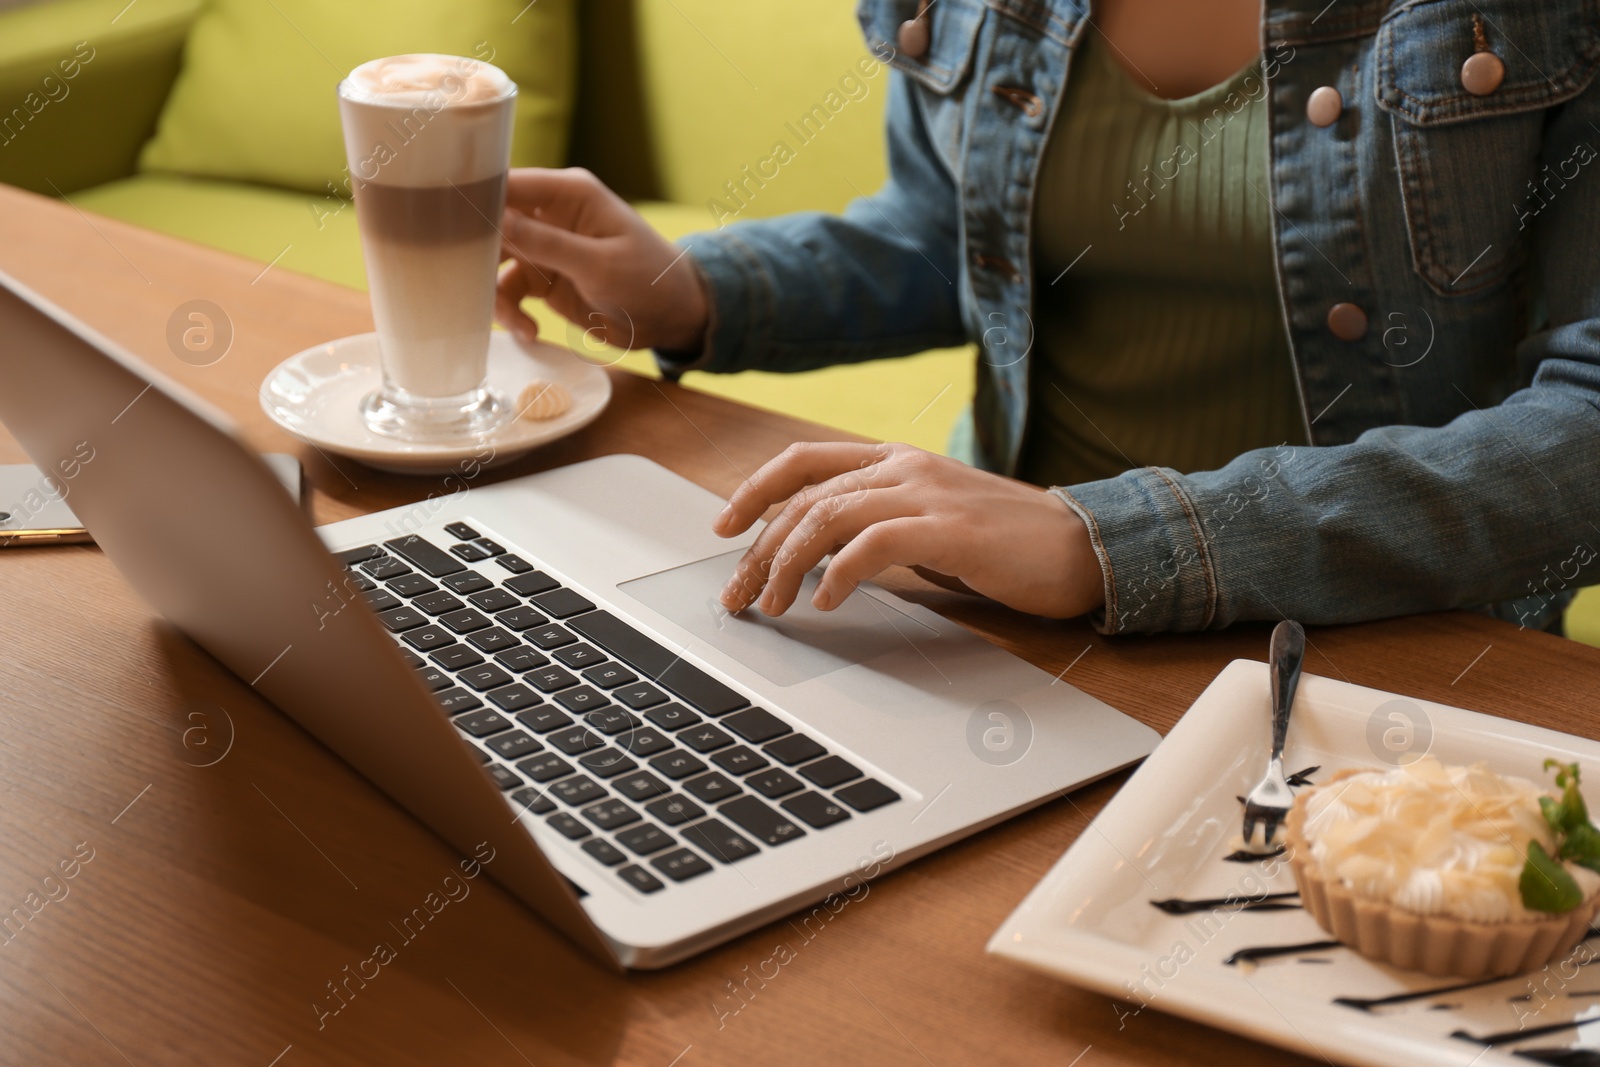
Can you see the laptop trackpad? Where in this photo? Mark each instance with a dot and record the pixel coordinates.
(800, 644)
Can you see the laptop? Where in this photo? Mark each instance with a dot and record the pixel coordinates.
(540, 671)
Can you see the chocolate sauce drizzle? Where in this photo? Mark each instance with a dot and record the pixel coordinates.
(1244, 856)
(1269, 902)
(1267, 952)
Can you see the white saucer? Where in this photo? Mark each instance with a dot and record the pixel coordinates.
(316, 395)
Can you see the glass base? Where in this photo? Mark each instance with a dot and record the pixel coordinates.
(395, 413)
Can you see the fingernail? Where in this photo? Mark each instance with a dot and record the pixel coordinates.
(822, 600)
(767, 600)
(722, 517)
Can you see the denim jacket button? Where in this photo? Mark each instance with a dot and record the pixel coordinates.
(1482, 73)
(1347, 322)
(1324, 106)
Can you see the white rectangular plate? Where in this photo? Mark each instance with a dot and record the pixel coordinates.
(1165, 835)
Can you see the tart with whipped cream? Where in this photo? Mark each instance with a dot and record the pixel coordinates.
(1453, 871)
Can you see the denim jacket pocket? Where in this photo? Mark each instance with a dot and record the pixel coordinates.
(953, 31)
(1468, 165)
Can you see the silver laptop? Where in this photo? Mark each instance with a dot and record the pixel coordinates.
(541, 668)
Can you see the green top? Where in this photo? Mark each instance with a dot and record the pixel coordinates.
(1160, 338)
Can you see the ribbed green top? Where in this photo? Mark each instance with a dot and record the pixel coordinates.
(1159, 336)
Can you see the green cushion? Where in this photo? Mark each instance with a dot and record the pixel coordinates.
(724, 84)
(256, 101)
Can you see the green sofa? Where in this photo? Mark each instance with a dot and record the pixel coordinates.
(674, 100)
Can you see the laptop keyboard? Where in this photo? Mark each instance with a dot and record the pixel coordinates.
(651, 766)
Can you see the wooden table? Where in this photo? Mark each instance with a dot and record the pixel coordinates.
(222, 898)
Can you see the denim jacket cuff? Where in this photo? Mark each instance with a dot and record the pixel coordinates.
(739, 302)
(1158, 571)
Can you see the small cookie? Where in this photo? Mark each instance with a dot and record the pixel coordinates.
(542, 400)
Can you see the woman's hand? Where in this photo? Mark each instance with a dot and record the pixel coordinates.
(874, 506)
(579, 246)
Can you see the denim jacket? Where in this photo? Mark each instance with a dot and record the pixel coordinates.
(1450, 400)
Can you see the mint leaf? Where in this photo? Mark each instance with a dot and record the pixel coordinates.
(1553, 813)
(1545, 884)
(1582, 846)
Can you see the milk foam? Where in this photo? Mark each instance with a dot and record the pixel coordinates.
(426, 120)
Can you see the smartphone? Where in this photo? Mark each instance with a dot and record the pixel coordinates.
(34, 510)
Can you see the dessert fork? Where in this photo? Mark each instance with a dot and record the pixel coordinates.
(1269, 802)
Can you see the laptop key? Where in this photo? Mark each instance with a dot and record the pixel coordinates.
(384, 568)
(424, 555)
(401, 619)
(607, 762)
(382, 600)
(706, 738)
(681, 864)
(609, 676)
(434, 678)
(568, 826)
(440, 602)
(461, 531)
(477, 753)
(711, 788)
(466, 582)
(551, 678)
(427, 638)
(549, 636)
(545, 768)
(514, 564)
(796, 748)
(671, 716)
(830, 772)
(760, 821)
(456, 700)
(581, 698)
(576, 740)
(543, 720)
(360, 584)
(610, 814)
(643, 742)
(654, 660)
(513, 745)
(674, 810)
(775, 782)
(815, 809)
(469, 552)
(520, 619)
(529, 583)
(492, 640)
(678, 764)
(457, 657)
(603, 851)
(492, 600)
(637, 876)
(485, 676)
(463, 621)
(577, 790)
(740, 760)
(513, 697)
(519, 659)
(579, 656)
(641, 786)
(411, 585)
(351, 556)
(644, 839)
(867, 795)
(641, 695)
(608, 720)
(483, 722)
(756, 725)
(723, 843)
(560, 603)
(490, 547)
(504, 777)
(532, 801)
(412, 659)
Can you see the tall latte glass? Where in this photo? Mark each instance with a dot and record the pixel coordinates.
(429, 142)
